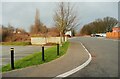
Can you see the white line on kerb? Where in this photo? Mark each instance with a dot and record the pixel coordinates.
(77, 68)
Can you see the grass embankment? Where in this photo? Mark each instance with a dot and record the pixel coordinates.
(36, 59)
(16, 43)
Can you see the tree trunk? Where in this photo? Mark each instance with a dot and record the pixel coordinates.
(64, 38)
(60, 38)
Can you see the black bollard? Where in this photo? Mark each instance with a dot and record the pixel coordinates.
(57, 49)
(12, 58)
(43, 59)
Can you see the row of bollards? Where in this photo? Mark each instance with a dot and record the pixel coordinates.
(43, 57)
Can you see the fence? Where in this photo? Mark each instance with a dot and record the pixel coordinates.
(44, 40)
(115, 35)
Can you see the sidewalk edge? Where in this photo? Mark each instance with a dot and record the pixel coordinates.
(66, 74)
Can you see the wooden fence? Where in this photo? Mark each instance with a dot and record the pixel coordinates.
(115, 35)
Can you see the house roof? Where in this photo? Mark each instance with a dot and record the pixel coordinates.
(116, 29)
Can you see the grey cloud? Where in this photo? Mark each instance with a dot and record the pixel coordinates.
(23, 13)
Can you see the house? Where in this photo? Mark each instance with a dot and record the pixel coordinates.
(68, 33)
(116, 29)
(115, 32)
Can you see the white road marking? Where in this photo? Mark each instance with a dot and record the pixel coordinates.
(77, 68)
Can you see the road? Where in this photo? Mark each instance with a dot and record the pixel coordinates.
(20, 52)
(71, 60)
(104, 58)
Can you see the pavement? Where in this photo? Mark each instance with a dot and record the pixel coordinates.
(76, 55)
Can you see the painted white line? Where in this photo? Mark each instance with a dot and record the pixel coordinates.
(77, 68)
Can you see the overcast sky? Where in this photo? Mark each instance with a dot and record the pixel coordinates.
(21, 14)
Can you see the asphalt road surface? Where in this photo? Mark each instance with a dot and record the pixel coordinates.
(104, 57)
(75, 56)
(104, 60)
(20, 52)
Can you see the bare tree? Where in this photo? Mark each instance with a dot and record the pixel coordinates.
(65, 18)
(35, 29)
(37, 21)
(109, 23)
(99, 26)
(38, 27)
(44, 29)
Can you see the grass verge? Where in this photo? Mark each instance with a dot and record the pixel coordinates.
(36, 59)
(16, 43)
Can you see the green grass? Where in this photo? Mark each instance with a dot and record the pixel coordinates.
(36, 59)
(16, 43)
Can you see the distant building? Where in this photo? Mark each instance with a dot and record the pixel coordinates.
(116, 29)
(115, 32)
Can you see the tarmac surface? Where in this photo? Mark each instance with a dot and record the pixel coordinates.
(104, 60)
(104, 57)
(75, 56)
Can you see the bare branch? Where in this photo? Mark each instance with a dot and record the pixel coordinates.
(65, 18)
